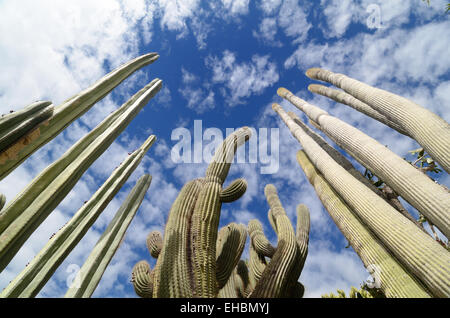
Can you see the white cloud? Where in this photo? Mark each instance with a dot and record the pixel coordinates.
(244, 79)
(267, 31)
(200, 99)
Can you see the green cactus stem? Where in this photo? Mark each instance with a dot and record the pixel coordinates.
(154, 243)
(36, 274)
(142, 279)
(31, 207)
(431, 131)
(2, 201)
(276, 280)
(259, 241)
(68, 112)
(92, 270)
(237, 284)
(10, 133)
(428, 197)
(395, 280)
(8, 121)
(229, 247)
(234, 191)
(428, 261)
(347, 99)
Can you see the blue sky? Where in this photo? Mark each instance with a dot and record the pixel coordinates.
(221, 62)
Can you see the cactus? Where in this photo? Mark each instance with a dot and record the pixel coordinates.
(66, 113)
(394, 280)
(35, 275)
(349, 100)
(2, 201)
(154, 243)
(15, 125)
(428, 129)
(427, 260)
(142, 279)
(428, 197)
(31, 207)
(281, 274)
(186, 266)
(354, 293)
(107, 245)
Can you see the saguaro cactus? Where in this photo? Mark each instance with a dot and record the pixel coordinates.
(186, 266)
(36, 274)
(430, 130)
(66, 113)
(428, 261)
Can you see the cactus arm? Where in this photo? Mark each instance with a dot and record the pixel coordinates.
(430, 130)
(68, 112)
(154, 243)
(36, 274)
(258, 240)
(302, 237)
(347, 99)
(10, 120)
(142, 279)
(206, 215)
(173, 269)
(428, 260)
(428, 197)
(395, 280)
(14, 133)
(30, 207)
(229, 247)
(92, 270)
(234, 191)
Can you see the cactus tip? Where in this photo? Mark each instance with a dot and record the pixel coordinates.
(312, 72)
(282, 92)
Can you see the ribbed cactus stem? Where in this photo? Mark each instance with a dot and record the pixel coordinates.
(429, 261)
(238, 283)
(428, 197)
(395, 281)
(229, 247)
(234, 191)
(276, 279)
(206, 215)
(430, 130)
(36, 274)
(2, 201)
(95, 265)
(154, 243)
(258, 240)
(347, 99)
(142, 279)
(340, 159)
(10, 120)
(10, 134)
(302, 234)
(68, 112)
(32, 206)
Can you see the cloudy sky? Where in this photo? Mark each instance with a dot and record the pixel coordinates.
(221, 62)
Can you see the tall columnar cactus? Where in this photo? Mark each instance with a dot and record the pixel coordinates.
(281, 274)
(347, 99)
(32, 206)
(36, 274)
(394, 279)
(430, 130)
(186, 266)
(95, 265)
(66, 113)
(428, 197)
(427, 260)
(16, 125)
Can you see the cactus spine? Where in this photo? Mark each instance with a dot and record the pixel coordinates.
(104, 250)
(431, 199)
(428, 261)
(430, 131)
(36, 274)
(31, 207)
(68, 112)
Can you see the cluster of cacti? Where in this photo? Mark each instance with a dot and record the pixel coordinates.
(410, 262)
(21, 134)
(196, 259)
